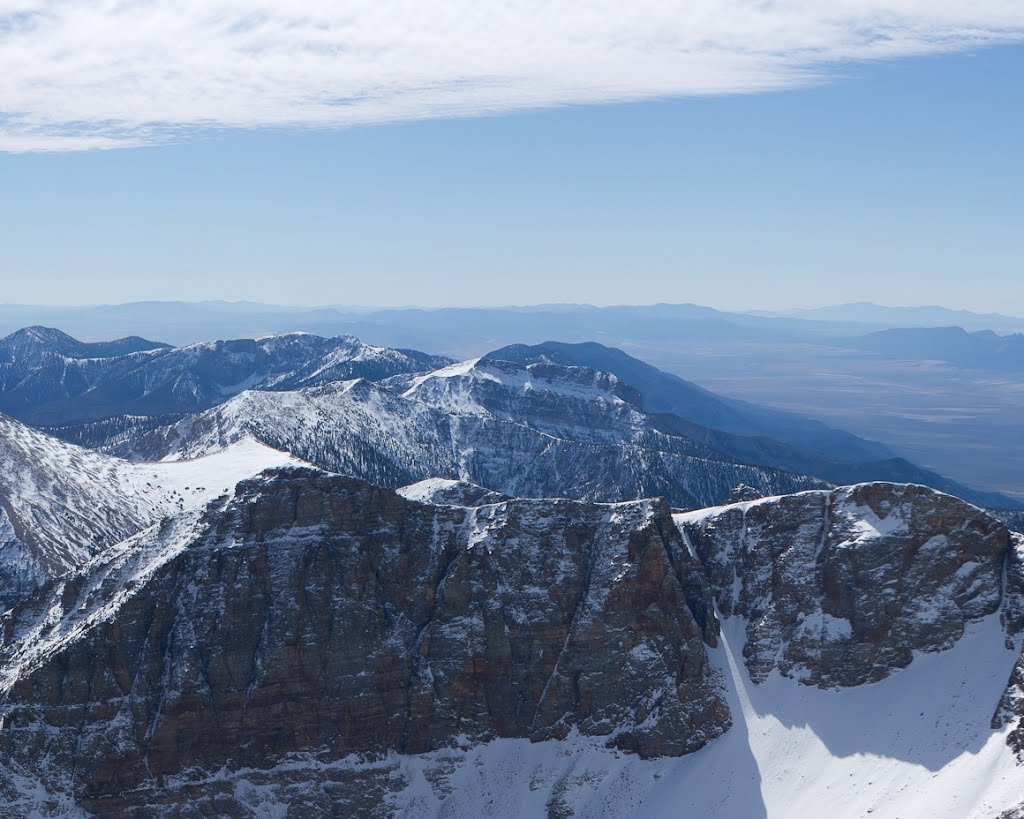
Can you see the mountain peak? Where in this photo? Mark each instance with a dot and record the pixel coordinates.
(28, 343)
(48, 337)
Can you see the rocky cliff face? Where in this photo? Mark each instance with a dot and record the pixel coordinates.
(1011, 707)
(317, 616)
(839, 588)
(299, 637)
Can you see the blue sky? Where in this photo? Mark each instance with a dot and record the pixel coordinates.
(898, 181)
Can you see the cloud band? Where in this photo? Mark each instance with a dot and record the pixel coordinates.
(87, 74)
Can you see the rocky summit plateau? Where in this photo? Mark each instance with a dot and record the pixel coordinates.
(374, 583)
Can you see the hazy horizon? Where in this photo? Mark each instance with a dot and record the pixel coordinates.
(830, 155)
(359, 308)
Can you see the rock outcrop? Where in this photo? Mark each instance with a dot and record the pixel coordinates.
(1014, 519)
(443, 492)
(318, 616)
(840, 588)
(1011, 707)
(743, 493)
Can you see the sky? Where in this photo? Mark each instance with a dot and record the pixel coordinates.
(741, 155)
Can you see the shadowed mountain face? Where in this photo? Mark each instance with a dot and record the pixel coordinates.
(299, 629)
(748, 433)
(47, 377)
(667, 393)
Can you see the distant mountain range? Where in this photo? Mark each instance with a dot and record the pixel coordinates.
(48, 377)
(345, 406)
(460, 332)
(925, 316)
(542, 430)
(981, 350)
(470, 331)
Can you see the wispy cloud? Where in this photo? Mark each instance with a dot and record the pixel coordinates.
(79, 74)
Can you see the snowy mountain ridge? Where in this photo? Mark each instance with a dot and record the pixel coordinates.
(61, 504)
(541, 430)
(98, 394)
(840, 588)
(47, 377)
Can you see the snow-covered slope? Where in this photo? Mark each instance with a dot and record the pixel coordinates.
(917, 744)
(61, 504)
(537, 431)
(445, 492)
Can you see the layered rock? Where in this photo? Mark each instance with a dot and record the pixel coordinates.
(317, 615)
(840, 588)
